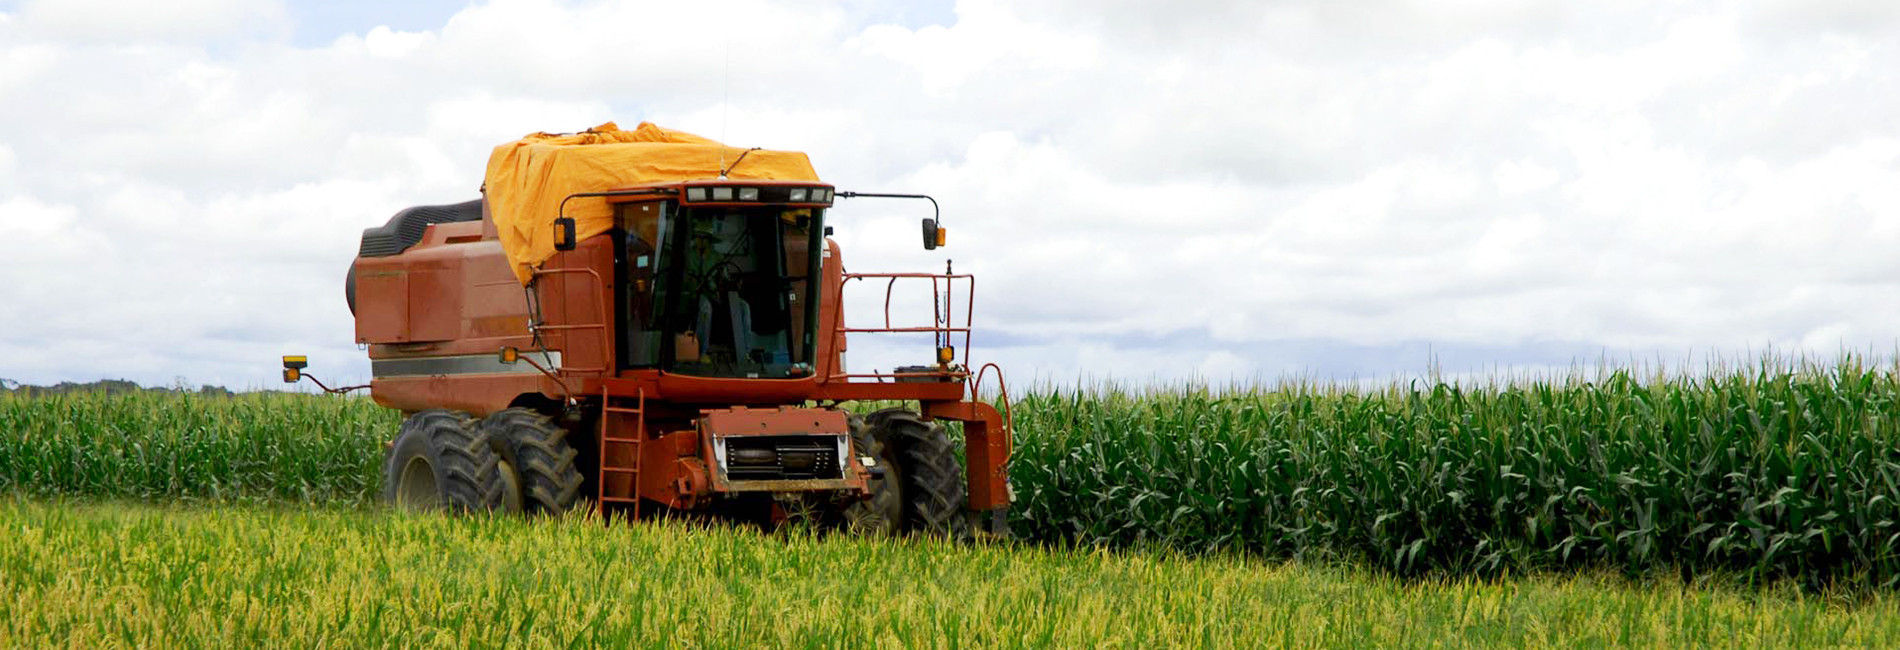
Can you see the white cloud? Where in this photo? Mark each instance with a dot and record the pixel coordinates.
(384, 43)
(7, 164)
(1521, 178)
(105, 21)
(1145, 190)
(987, 36)
(37, 232)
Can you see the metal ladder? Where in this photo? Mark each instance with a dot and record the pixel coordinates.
(619, 477)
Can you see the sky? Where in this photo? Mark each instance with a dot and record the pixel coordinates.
(1147, 192)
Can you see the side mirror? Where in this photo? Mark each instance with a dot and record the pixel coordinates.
(564, 234)
(933, 236)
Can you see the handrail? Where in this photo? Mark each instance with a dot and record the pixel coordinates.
(945, 327)
(1002, 395)
(600, 307)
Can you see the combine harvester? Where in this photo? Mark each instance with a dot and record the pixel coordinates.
(654, 320)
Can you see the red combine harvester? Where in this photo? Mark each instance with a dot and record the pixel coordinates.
(654, 321)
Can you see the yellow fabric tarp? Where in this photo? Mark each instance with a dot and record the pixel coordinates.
(528, 178)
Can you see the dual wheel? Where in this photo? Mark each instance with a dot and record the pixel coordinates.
(520, 460)
(516, 460)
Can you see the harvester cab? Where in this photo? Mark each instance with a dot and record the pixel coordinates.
(621, 319)
(721, 277)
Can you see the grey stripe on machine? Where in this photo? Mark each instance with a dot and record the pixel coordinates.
(466, 364)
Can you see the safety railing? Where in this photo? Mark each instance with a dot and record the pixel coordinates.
(1002, 397)
(539, 325)
(945, 327)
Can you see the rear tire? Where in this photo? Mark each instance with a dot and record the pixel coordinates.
(439, 461)
(929, 478)
(538, 450)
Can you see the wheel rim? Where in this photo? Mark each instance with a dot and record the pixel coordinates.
(416, 489)
(510, 487)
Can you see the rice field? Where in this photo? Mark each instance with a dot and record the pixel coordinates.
(104, 575)
(1779, 471)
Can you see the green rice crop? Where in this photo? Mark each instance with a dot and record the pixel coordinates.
(108, 575)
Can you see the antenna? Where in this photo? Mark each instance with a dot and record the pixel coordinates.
(725, 107)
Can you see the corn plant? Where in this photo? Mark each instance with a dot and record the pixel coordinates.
(1769, 472)
(162, 445)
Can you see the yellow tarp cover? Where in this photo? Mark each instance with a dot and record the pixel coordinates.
(528, 178)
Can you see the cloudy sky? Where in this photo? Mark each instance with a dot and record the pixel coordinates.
(1147, 191)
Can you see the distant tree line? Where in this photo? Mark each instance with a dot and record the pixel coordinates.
(106, 386)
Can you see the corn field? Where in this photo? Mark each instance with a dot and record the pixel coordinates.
(279, 447)
(1768, 472)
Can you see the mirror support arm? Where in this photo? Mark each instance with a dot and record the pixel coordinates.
(933, 227)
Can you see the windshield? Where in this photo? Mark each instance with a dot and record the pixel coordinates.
(727, 295)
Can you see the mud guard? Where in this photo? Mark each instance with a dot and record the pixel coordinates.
(986, 447)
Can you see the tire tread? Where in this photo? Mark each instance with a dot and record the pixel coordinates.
(550, 481)
(933, 489)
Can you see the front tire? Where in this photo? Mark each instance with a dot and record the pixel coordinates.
(537, 448)
(439, 461)
(928, 477)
